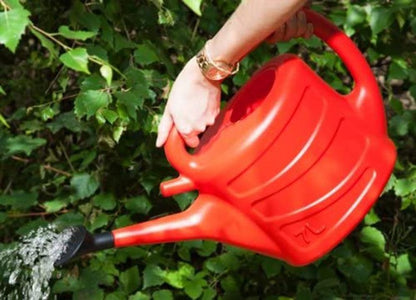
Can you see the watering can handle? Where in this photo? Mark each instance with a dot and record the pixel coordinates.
(365, 98)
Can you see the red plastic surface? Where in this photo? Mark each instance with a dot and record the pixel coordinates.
(290, 166)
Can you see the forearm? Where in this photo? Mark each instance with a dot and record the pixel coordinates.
(251, 23)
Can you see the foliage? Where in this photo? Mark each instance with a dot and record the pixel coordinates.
(82, 87)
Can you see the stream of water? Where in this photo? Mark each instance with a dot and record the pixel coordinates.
(26, 267)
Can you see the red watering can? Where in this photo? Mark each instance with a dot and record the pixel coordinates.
(288, 170)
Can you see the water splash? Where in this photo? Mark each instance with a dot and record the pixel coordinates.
(27, 266)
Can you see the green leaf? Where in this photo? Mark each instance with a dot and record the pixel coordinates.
(19, 200)
(371, 218)
(118, 131)
(194, 287)
(357, 268)
(12, 26)
(163, 295)
(76, 59)
(46, 43)
(47, 113)
(152, 276)
(89, 102)
(65, 120)
(185, 199)
(107, 73)
(2, 92)
(398, 70)
(404, 187)
(178, 278)
(355, 15)
(271, 266)
(110, 115)
(195, 5)
(145, 54)
(23, 144)
(403, 265)
(84, 184)
(99, 221)
(3, 121)
(373, 236)
(139, 296)
(130, 279)
(139, 204)
(55, 205)
(66, 32)
(380, 18)
(209, 294)
(105, 201)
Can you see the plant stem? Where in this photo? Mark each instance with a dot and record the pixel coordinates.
(48, 35)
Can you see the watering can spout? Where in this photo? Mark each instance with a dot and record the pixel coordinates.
(231, 226)
(82, 242)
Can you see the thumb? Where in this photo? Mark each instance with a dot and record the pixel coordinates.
(164, 128)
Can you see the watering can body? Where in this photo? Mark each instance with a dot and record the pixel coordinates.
(289, 168)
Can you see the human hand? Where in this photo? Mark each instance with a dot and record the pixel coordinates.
(296, 26)
(193, 104)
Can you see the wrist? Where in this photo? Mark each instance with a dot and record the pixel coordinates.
(212, 67)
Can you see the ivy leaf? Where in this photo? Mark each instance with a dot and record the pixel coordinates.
(76, 59)
(66, 32)
(23, 144)
(195, 5)
(84, 184)
(89, 102)
(12, 26)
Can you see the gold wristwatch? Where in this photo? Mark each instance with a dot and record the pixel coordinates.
(214, 69)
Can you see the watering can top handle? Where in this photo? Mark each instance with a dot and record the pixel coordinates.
(365, 95)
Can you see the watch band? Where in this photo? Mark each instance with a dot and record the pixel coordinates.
(214, 69)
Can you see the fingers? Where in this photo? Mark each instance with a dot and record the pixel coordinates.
(278, 35)
(296, 26)
(309, 31)
(291, 28)
(164, 128)
(302, 23)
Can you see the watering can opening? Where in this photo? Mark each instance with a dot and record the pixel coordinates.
(289, 168)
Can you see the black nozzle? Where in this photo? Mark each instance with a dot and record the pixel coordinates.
(82, 242)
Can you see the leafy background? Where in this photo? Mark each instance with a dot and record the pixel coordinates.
(82, 87)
